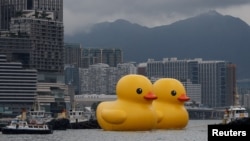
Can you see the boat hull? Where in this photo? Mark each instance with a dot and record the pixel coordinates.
(90, 124)
(25, 131)
(59, 124)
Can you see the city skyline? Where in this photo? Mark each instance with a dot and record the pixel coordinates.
(38, 41)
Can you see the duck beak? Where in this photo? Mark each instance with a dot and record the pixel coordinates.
(183, 98)
(150, 96)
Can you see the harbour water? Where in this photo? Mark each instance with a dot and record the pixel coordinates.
(196, 130)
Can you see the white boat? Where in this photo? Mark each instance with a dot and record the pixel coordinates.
(234, 113)
(17, 126)
(82, 119)
(39, 116)
(77, 116)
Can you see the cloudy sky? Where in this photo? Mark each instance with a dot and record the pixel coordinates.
(80, 14)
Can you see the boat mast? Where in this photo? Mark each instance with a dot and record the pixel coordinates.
(236, 97)
(36, 105)
(23, 115)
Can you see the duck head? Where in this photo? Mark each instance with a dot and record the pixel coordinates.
(137, 88)
(170, 90)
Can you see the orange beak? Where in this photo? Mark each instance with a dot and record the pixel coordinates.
(183, 98)
(150, 96)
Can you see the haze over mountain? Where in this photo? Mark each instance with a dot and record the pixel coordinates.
(210, 36)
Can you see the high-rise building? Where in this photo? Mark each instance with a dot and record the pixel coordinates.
(71, 73)
(32, 33)
(216, 78)
(82, 57)
(172, 67)
(16, 49)
(110, 56)
(243, 89)
(141, 69)
(16, 8)
(193, 91)
(97, 79)
(17, 87)
(46, 38)
(73, 54)
(38, 23)
(102, 79)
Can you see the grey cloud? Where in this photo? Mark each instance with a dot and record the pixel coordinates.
(79, 13)
(131, 6)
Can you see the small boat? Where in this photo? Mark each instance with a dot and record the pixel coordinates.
(39, 116)
(78, 116)
(61, 122)
(234, 113)
(83, 119)
(17, 126)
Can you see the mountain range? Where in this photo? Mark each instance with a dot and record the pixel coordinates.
(210, 36)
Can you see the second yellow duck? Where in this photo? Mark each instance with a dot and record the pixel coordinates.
(170, 104)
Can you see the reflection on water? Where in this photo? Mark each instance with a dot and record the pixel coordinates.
(195, 131)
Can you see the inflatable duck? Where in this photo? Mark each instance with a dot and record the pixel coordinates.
(132, 110)
(169, 105)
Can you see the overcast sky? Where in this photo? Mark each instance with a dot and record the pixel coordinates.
(79, 14)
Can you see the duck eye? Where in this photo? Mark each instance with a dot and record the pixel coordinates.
(173, 92)
(139, 90)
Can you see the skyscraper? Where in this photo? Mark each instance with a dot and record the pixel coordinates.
(15, 8)
(83, 57)
(17, 87)
(40, 24)
(73, 54)
(217, 79)
(31, 33)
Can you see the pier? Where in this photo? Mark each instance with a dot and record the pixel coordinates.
(205, 113)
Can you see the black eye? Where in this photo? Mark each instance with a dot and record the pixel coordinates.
(139, 90)
(173, 92)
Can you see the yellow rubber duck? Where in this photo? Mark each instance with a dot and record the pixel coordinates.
(169, 105)
(132, 110)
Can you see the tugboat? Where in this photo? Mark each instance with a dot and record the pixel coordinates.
(82, 119)
(39, 116)
(77, 116)
(21, 126)
(61, 122)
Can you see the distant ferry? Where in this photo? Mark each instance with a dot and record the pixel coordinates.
(234, 113)
(23, 127)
